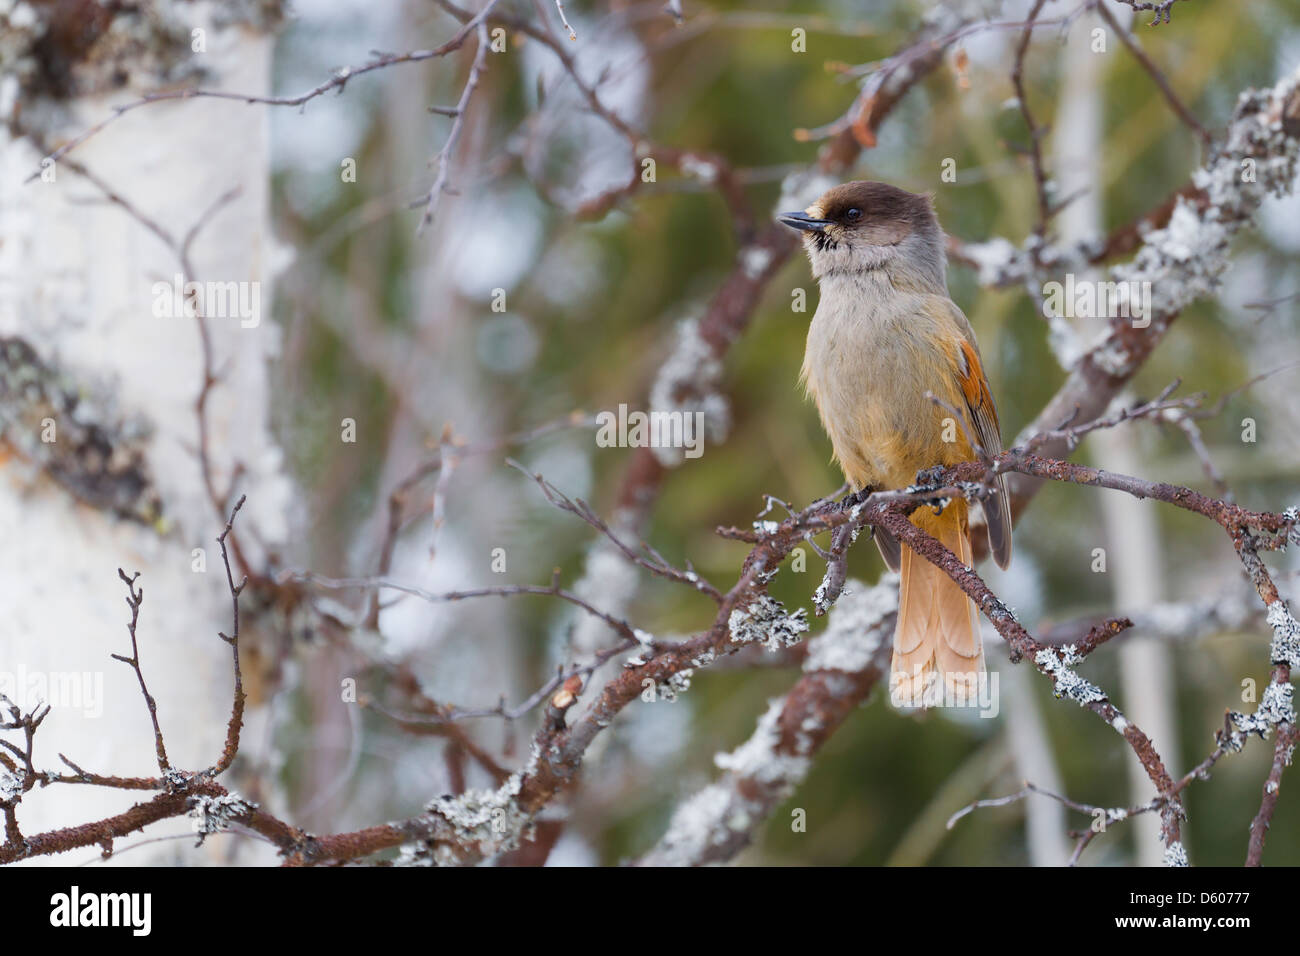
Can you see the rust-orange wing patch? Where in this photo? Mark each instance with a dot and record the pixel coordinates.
(976, 389)
(984, 416)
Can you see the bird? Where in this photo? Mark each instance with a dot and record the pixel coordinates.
(885, 342)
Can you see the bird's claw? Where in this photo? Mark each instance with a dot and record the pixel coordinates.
(931, 479)
(854, 498)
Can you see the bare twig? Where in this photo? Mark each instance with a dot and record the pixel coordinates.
(1035, 132)
(337, 82)
(442, 160)
(134, 598)
(559, 6)
(237, 707)
(1157, 76)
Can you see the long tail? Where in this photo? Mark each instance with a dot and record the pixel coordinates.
(938, 632)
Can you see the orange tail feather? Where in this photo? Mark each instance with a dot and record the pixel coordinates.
(938, 634)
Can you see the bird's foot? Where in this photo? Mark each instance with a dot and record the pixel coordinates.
(931, 479)
(854, 498)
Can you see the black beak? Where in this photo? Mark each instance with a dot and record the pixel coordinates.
(802, 221)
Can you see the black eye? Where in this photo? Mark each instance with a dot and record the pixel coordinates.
(853, 215)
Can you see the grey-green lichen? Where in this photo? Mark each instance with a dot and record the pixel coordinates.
(491, 821)
(858, 628)
(1275, 707)
(1285, 647)
(61, 51)
(765, 621)
(212, 814)
(54, 425)
(1065, 682)
(11, 785)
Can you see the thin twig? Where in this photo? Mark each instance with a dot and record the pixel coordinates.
(134, 598)
(237, 707)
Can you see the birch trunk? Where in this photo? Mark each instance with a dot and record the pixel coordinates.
(79, 294)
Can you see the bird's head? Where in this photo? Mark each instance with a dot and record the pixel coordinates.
(861, 226)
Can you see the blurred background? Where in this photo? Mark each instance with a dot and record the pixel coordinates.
(401, 329)
(398, 331)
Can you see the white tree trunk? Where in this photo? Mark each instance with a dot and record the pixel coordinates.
(77, 280)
